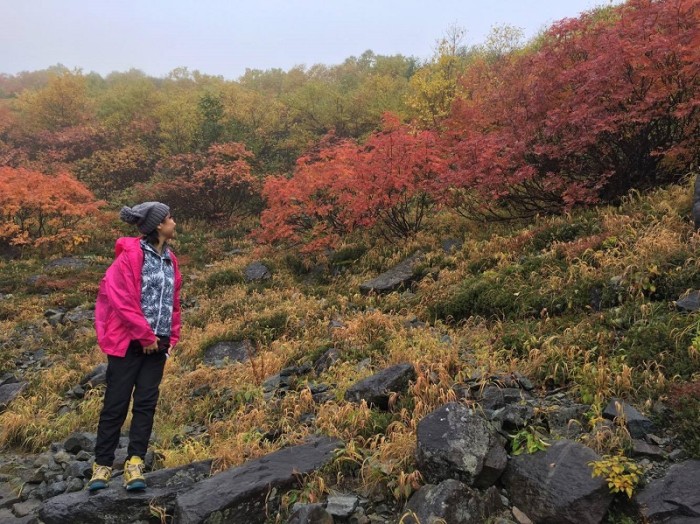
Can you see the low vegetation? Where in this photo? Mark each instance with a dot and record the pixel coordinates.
(588, 309)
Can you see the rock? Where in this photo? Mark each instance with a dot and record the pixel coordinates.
(74, 485)
(637, 424)
(678, 455)
(493, 398)
(29, 507)
(80, 469)
(524, 382)
(375, 390)
(568, 421)
(644, 449)
(399, 276)
(8, 496)
(115, 504)
(276, 385)
(7, 517)
(257, 271)
(453, 502)
(512, 417)
(9, 392)
(342, 506)
(67, 262)
(97, 376)
(56, 488)
(8, 378)
(310, 514)
(61, 457)
(520, 516)
(674, 496)
(326, 360)
(232, 350)
(81, 441)
(454, 443)
(450, 245)
(241, 492)
(78, 315)
(689, 302)
(556, 486)
(54, 316)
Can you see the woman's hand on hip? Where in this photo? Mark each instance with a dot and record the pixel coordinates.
(151, 348)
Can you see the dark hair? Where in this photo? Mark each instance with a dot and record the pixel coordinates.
(152, 237)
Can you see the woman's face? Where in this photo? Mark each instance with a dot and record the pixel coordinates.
(166, 228)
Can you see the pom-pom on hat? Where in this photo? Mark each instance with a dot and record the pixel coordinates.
(145, 216)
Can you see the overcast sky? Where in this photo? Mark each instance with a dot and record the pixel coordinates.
(221, 37)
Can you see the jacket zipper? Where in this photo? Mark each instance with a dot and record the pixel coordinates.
(162, 290)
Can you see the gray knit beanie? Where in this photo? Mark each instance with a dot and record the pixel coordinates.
(146, 216)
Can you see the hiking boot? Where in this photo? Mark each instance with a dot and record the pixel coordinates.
(133, 474)
(100, 477)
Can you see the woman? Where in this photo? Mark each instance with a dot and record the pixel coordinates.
(137, 319)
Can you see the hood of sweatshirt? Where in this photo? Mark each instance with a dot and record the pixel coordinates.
(126, 244)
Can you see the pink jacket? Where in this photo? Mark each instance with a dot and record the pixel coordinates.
(118, 315)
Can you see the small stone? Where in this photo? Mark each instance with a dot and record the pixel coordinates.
(61, 457)
(678, 455)
(342, 506)
(83, 455)
(520, 516)
(642, 449)
(74, 485)
(22, 509)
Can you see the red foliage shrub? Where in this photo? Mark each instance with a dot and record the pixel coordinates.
(390, 182)
(609, 101)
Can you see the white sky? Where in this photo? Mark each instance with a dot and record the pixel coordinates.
(221, 37)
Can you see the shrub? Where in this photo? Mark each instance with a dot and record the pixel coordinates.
(347, 255)
(662, 336)
(684, 401)
(225, 277)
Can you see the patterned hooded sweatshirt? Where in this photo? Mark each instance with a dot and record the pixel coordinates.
(157, 288)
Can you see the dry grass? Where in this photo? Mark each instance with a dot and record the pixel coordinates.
(585, 350)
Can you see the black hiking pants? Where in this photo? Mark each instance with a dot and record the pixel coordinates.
(136, 374)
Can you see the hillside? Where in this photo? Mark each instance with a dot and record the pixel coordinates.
(580, 306)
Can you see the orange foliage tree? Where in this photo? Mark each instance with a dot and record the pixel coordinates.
(39, 210)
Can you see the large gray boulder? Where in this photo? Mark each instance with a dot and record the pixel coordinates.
(115, 505)
(228, 351)
(375, 390)
(455, 443)
(399, 276)
(453, 502)
(239, 494)
(675, 496)
(556, 487)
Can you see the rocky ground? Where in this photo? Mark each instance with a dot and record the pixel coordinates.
(465, 454)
